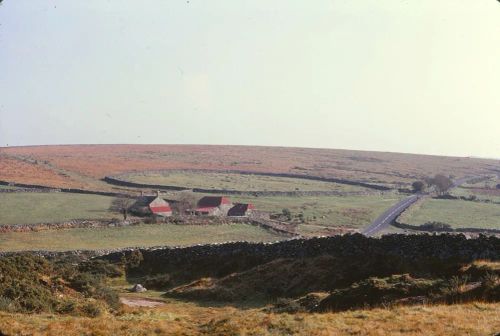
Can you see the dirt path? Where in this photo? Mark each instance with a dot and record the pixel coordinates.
(140, 302)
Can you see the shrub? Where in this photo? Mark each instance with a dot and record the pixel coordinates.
(287, 213)
(377, 291)
(101, 267)
(132, 259)
(91, 309)
(66, 307)
(159, 281)
(108, 295)
(86, 283)
(436, 226)
(8, 305)
(418, 186)
(22, 282)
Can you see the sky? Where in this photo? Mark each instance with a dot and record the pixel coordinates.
(418, 76)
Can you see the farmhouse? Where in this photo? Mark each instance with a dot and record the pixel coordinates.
(152, 205)
(213, 206)
(241, 210)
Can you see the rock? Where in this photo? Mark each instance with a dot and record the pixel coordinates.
(138, 288)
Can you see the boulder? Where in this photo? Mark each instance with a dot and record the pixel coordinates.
(138, 288)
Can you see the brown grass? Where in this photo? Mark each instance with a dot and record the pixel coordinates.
(97, 161)
(176, 318)
(15, 170)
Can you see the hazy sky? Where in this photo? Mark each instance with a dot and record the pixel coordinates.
(417, 76)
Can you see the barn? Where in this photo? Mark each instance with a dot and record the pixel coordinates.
(152, 205)
(241, 210)
(213, 206)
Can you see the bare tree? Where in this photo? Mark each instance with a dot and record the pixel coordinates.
(184, 202)
(441, 182)
(122, 205)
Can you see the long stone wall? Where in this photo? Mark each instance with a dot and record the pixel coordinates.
(41, 188)
(411, 248)
(210, 260)
(116, 180)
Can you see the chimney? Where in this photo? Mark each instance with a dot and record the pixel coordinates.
(157, 193)
(142, 193)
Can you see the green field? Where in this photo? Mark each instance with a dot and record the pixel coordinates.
(457, 213)
(31, 208)
(492, 195)
(233, 181)
(131, 236)
(327, 211)
(8, 187)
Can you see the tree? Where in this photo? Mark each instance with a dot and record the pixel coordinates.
(418, 186)
(185, 202)
(122, 205)
(287, 213)
(441, 182)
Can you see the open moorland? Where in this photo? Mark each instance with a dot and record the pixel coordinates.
(83, 166)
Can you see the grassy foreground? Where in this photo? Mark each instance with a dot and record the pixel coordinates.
(137, 235)
(31, 208)
(178, 318)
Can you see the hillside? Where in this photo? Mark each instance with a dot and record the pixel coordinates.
(82, 166)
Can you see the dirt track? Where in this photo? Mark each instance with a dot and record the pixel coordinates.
(140, 302)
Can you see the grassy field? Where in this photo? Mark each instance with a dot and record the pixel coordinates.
(491, 194)
(457, 213)
(189, 319)
(30, 208)
(328, 211)
(210, 180)
(137, 235)
(8, 187)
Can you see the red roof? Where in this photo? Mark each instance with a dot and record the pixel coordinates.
(160, 209)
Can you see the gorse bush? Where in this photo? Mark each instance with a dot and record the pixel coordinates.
(32, 284)
(25, 281)
(100, 267)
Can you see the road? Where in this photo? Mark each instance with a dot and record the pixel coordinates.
(390, 215)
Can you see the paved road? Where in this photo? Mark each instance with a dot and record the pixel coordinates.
(390, 215)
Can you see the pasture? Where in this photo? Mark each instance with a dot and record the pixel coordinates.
(235, 181)
(481, 193)
(143, 235)
(457, 213)
(327, 211)
(53, 207)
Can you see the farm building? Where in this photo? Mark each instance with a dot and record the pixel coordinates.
(151, 205)
(241, 210)
(213, 206)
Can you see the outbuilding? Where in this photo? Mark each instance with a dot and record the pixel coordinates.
(241, 210)
(152, 205)
(213, 206)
